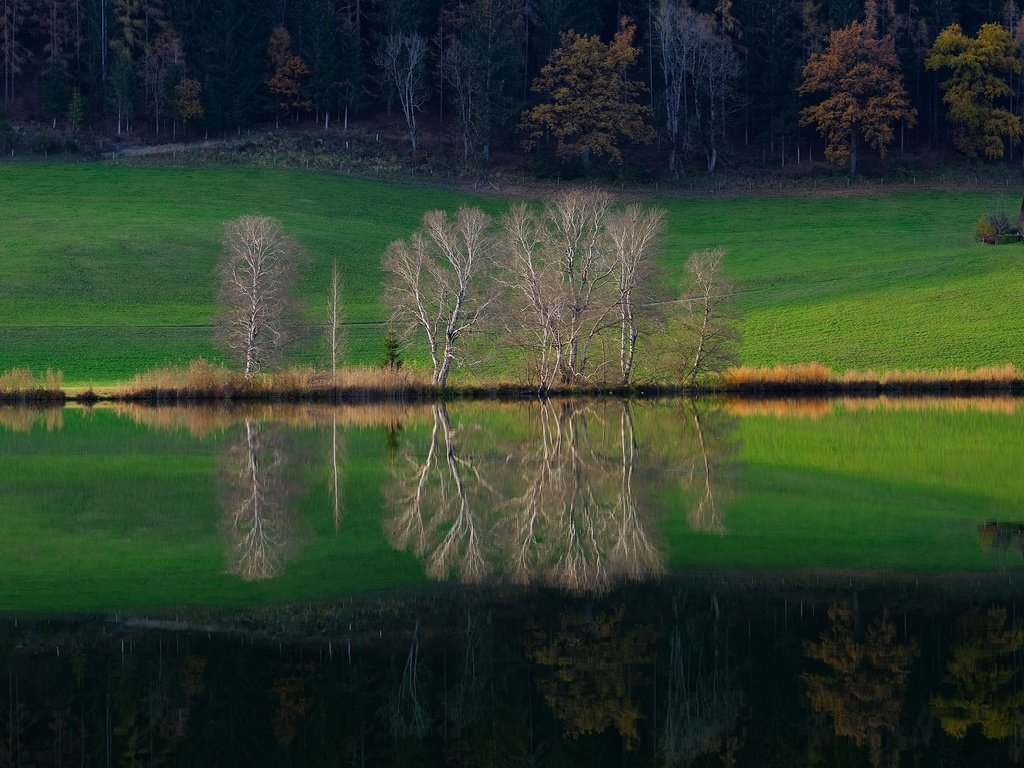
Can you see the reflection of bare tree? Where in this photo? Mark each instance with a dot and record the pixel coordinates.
(634, 555)
(406, 707)
(703, 705)
(466, 701)
(558, 506)
(436, 517)
(568, 517)
(258, 488)
(335, 475)
(709, 476)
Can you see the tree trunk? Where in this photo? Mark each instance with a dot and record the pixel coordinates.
(628, 348)
(853, 151)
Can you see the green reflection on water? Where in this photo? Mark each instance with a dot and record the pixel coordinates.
(130, 506)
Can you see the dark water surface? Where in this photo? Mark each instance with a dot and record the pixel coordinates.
(820, 583)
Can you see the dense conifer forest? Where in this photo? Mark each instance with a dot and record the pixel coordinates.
(552, 84)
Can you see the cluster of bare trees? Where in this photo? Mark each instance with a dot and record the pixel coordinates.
(700, 69)
(572, 286)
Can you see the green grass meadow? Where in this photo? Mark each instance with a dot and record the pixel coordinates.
(107, 270)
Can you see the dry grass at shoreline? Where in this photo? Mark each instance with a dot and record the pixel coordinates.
(819, 377)
(20, 385)
(204, 381)
(201, 380)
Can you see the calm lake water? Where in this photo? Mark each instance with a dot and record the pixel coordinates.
(826, 582)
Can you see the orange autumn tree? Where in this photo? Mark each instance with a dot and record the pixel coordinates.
(859, 78)
(289, 69)
(591, 101)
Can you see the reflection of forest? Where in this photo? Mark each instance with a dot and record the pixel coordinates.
(678, 674)
(866, 680)
(553, 492)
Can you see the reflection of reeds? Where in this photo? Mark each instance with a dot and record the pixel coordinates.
(819, 376)
(817, 408)
(203, 420)
(780, 408)
(23, 419)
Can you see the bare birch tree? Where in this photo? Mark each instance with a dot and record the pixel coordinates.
(533, 278)
(700, 69)
(572, 274)
(402, 61)
(561, 271)
(711, 318)
(634, 234)
(577, 234)
(462, 72)
(335, 336)
(257, 274)
(674, 29)
(434, 277)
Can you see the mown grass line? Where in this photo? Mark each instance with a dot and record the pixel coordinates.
(107, 270)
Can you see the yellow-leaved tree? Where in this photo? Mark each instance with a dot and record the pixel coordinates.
(592, 104)
(978, 83)
(863, 94)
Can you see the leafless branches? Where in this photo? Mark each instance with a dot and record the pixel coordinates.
(557, 507)
(402, 62)
(434, 285)
(257, 275)
(461, 69)
(700, 69)
(713, 332)
(634, 234)
(257, 494)
(434, 507)
(406, 708)
(572, 273)
(334, 330)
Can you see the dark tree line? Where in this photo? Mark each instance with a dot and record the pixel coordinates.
(718, 80)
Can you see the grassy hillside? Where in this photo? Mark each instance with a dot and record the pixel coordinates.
(106, 270)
